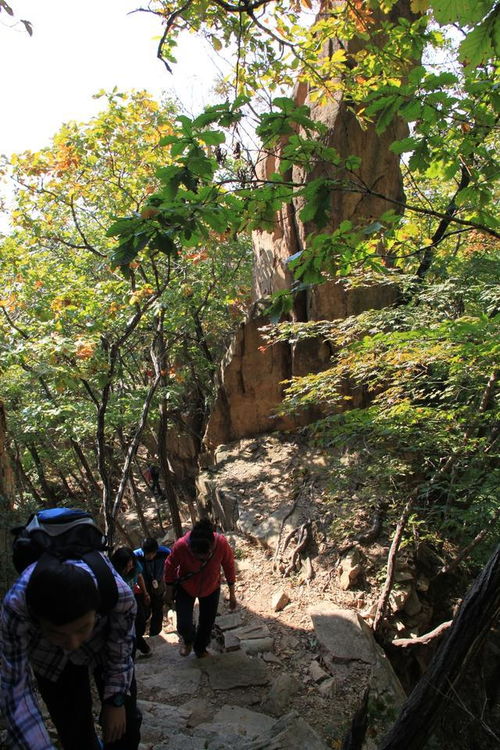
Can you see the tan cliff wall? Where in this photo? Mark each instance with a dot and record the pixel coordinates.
(251, 380)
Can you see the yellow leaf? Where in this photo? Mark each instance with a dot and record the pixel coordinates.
(419, 6)
(338, 56)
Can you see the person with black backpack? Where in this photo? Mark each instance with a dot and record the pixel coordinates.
(68, 615)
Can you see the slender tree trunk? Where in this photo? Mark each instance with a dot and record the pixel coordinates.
(24, 479)
(166, 474)
(46, 488)
(155, 497)
(159, 356)
(7, 481)
(132, 449)
(123, 531)
(112, 352)
(65, 484)
(138, 507)
(86, 467)
(102, 449)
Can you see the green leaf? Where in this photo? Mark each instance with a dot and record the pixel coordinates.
(465, 12)
(123, 226)
(201, 166)
(178, 147)
(128, 250)
(352, 163)
(477, 47)
(163, 242)
(345, 226)
(386, 116)
(411, 110)
(404, 145)
(212, 137)
(168, 139)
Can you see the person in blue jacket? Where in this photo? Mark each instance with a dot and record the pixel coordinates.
(130, 568)
(152, 557)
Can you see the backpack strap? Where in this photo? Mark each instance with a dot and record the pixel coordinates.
(106, 582)
(186, 576)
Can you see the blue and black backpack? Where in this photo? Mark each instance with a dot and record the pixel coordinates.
(65, 534)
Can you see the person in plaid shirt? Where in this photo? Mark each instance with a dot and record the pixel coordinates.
(51, 632)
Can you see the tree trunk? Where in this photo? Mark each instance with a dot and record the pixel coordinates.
(46, 488)
(166, 474)
(159, 354)
(123, 531)
(23, 479)
(6, 507)
(6, 473)
(138, 506)
(86, 467)
(132, 448)
(478, 613)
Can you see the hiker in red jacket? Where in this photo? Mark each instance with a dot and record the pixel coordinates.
(193, 568)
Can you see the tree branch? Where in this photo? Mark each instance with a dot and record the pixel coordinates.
(423, 639)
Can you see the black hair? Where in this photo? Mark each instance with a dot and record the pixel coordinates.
(61, 592)
(121, 557)
(149, 545)
(201, 537)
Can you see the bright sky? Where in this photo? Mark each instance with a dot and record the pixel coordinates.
(79, 47)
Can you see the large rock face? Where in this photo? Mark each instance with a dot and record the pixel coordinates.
(253, 377)
(251, 388)
(251, 381)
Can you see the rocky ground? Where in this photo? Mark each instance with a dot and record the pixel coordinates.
(309, 662)
(290, 666)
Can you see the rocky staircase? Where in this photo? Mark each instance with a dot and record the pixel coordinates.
(243, 698)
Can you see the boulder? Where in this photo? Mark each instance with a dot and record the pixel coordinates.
(350, 568)
(283, 688)
(227, 671)
(279, 600)
(317, 673)
(290, 732)
(353, 657)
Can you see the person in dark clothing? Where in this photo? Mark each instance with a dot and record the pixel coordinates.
(130, 568)
(152, 477)
(152, 556)
(52, 626)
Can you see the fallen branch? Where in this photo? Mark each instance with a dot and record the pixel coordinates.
(304, 536)
(391, 563)
(423, 639)
(278, 546)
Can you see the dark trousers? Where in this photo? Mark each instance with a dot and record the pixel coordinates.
(157, 599)
(69, 701)
(199, 636)
(140, 624)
